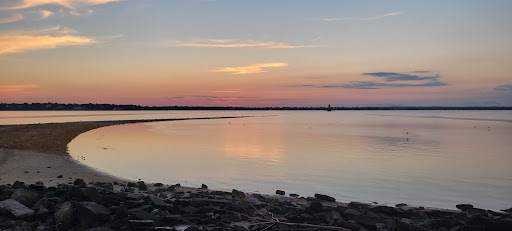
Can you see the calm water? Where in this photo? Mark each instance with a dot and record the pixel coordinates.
(428, 158)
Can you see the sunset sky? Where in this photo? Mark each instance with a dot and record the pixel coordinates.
(257, 53)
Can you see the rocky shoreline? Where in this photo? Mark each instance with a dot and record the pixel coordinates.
(139, 206)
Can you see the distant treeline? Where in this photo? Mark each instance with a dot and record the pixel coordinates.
(93, 107)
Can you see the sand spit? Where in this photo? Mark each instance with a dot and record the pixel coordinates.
(54, 137)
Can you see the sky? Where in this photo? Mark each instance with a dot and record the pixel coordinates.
(257, 53)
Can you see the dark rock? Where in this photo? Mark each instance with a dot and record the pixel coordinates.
(142, 186)
(400, 205)
(314, 207)
(324, 197)
(38, 186)
(203, 186)
(65, 216)
(157, 201)
(92, 194)
(464, 207)
(192, 228)
(280, 192)
(45, 202)
(104, 185)
(76, 193)
(143, 215)
(294, 195)
(15, 208)
(138, 224)
(26, 197)
(80, 183)
(18, 184)
(42, 212)
(158, 185)
(90, 214)
(131, 184)
(134, 196)
(59, 176)
(237, 194)
(190, 209)
(160, 190)
(385, 210)
(351, 213)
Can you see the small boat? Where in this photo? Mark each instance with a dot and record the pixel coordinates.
(329, 108)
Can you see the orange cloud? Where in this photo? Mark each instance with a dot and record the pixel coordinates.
(45, 14)
(16, 42)
(17, 88)
(250, 69)
(231, 43)
(66, 3)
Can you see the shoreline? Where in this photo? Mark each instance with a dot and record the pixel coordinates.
(52, 167)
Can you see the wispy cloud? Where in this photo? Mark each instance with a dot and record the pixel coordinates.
(13, 18)
(506, 87)
(228, 91)
(23, 4)
(362, 19)
(17, 88)
(211, 98)
(16, 42)
(234, 43)
(45, 14)
(393, 76)
(174, 98)
(389, 80)
(250, 69)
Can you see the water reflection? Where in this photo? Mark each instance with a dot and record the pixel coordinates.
(349, 155)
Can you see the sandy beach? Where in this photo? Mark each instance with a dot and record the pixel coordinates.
(38, 152)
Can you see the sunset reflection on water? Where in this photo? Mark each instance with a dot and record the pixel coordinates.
(349, 155)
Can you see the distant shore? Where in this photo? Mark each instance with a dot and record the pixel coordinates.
(39, 182)
(129, 107)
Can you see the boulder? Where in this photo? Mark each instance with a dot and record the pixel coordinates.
(464, 207)
(315, 207)
(38, 186)
(26, 197)
(203, 186)
(324, 197)
(157, 201)
(351, 213)
(80, 183)
(15, 208)
(18, 184)
(92, 194)
(65, 216)
(237, 194)
(280, 192)
(142, 186)
(90, 214)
